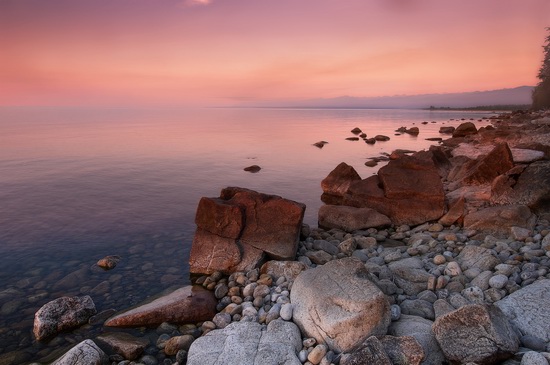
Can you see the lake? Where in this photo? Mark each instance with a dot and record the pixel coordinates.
(77, 184)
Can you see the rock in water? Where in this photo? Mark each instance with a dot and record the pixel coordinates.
(465, 129)
(108, 262)
(248, 343)
(189, 304)
(253, 169)
(85, 352)
(338, 305)
(476, 333)
(339, 180)
(62, 314)
(528, 309)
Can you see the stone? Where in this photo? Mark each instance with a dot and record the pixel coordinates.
(421, 330)
(211, 253)
(317, 354)
(220, 217)
(253, 169)
(533, 358)
(286, 311)
(418, 307)
(62, 314)
(487, 168)
(248, 343)
(455, 213)
(498, 220)
(403, 349)
(338, 305)
(351, 219)
(498, 281)
(527, 309)
(338, 180)
(177, 343)
(371, 351)
(532, 188)
(189, 304)
(476, 333)
(130, 347)
(465, 129)
(287, 269)
(446, 130)
(477, 257)
(108, 262)
(319, 257)
(409, 275)
(86, 352)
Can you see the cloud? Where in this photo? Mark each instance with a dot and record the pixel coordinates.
(196, 2)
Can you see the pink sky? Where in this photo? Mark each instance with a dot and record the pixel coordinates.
(222, 52)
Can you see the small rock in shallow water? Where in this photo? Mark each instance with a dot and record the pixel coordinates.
(108, 262)
(253, 168)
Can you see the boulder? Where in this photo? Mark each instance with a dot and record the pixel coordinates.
(403, 350)
(477, 257)
(532, 188)
(289, 269)
(108, 262)
(421, 330)
(476, 333)
(351, 219)
(62, 314)
(248, 343)
(498, 220)
(130, 347)
(338, 305)
(527, 309)
(446, 130)
(86, 352)
(236, 231)
(455, 213)
(409, 274)
(338, 180)
(408, 190)
(190, 304)
(371, 351)
(465, 129)
(486, 168)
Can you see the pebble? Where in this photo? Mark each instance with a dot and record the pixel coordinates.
(286, 311)
(498, 281)
(533, 358)
(317, 354)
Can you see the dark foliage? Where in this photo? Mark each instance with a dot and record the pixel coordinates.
(541, 93)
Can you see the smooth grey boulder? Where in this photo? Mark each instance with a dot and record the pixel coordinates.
(528, 310)
(409, 274)
(476, 333)
(124, 344)
(86, 352)
(477, 257)
(338, 305)
(248, 343)
(62, 314)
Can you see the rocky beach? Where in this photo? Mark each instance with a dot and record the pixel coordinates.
(442, 257)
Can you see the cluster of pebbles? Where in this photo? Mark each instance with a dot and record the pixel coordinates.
(522, 258)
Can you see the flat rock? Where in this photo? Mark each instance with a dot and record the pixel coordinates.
(130, 347)
(86, 352)
(527, 309)
(498, 220)
(477, 257)
(248, 343)
(409, 274)
(62, 314)
(476, 333)
(338, 305)
(351, 219)
(190, 304)
(338, 180)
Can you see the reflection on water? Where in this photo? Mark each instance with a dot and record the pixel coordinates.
(79, 184)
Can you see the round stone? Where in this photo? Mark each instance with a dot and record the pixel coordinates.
(498, 281)
(453, 269)
(439, 260)
(286, 311)
(317, 354)
(533, 358)
(395, 311)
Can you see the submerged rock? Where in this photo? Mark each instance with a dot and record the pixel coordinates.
(86, 352)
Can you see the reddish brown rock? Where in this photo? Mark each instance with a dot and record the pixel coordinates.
(465, 129)
(455, 213)
(210, 253)
(108, 262)
(190, 304)
(219, 217)
(339, 180)
(403, 350)
(487, 168)
(125, 344)
(498, 220)
(371, 351)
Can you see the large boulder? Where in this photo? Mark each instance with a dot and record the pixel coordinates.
(408, 190)
(248, 343)
(476, 333)
(421, 329)
(409, 274)
(465, 129)
(62, 314)
(486, 168)
(351, 219)
(498, 220)
(338, 305)
(86, 352)
(235, 232)
(338, 180)
(190, 304)
(527, 309)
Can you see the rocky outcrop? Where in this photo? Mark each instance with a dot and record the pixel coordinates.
(476, 333)
(248, 343)
(86, 352)
(125, 344)
(351, 219)
(339, 180)
(237, 229)
(62, 314)
(528, 309)
(486, 168)
(338, 305)
(189, 304)
(498, 220)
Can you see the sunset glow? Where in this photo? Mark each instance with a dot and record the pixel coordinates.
(224, 52)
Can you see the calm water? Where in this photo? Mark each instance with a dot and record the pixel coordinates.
(79, 184)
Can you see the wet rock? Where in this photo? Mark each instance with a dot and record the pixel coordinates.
(338, 180)
(465, 129)
(253, 169)
(86, 352)
(62, 314)
(320, 144)
(189, 304)
(350, 219)
(130, 347)
(108, 262)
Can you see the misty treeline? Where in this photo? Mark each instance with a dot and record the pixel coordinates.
(541, 93)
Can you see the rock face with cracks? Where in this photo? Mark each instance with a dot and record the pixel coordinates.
(338, 305)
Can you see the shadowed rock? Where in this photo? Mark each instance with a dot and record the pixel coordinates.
(86, 352)
(351, 219)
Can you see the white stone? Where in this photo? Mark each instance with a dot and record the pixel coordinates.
(286, 311)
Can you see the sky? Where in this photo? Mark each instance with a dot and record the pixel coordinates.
(228, 52)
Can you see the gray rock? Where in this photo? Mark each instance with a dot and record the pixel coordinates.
(286, 311)
(476, 333)
(421, 330)
(441, 307)
(418, 307)
(528, 309)
(478, 257)
(409, 274)
(498, 281)
(338, 305)
(325, 246)
(86, 352)
(248, 343)
(62, 314)
(533, 358)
